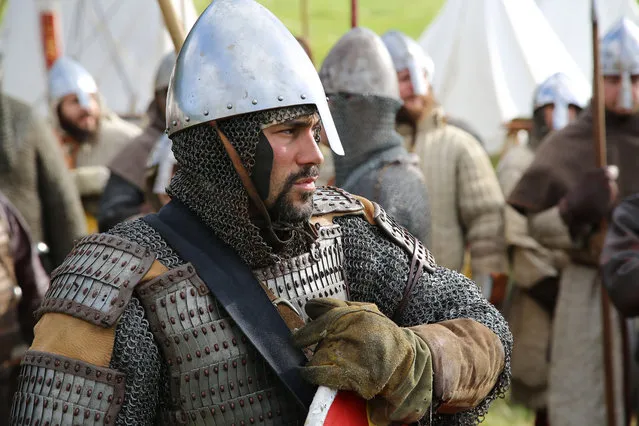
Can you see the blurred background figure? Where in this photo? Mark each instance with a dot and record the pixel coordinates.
(34, 177)
(467, 204)
(535, 268)
(360, 81)
(89, 133)
(23, 283)
(124, 195)
(160, 168)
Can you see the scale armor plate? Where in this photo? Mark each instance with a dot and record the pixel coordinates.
(215, 375)
(96, 281)
(57, 390)
(327, 200)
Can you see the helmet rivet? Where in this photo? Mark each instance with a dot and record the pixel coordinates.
(303, 96)
(280, 98)
(174, 123)
(206, 112)
(187, 119)
(254, 101)
(229, 106)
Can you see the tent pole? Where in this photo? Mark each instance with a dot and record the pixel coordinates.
(50, 32)
(353, 13)
(176, 30)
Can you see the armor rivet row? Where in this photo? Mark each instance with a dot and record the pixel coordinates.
(204, 330)
(212, 411)
(65, 408)
(261, 418)
(163, 303)
(87, 414)
(89, 392)
(174, 123)
(201, 311)
(303, 96)
(182, 317)
(280, 98)
(243, 359)
(76, 411)
(229, 106)
(222, 408)
(222, 390)
(216, 370)
(172, 298)
(187, 119)
(179, 360)
(176, 339)
(97, 416)
(182, 295)
(195, 333)
(190, 269)
(211, 310)
(193, 397)
(55, 405)
(232, 405)
(226, 345)
(172, 319)
(100, 395)
(192, 292)
(222, 325)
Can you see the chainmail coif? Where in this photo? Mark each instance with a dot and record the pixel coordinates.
(207, 183)
(366, 125)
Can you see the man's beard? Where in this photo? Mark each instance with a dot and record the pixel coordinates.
(78, 134)
(412, 116)
(283, 209)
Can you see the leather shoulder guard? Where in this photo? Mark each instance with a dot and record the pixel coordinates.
(415, 249)
(96, 280)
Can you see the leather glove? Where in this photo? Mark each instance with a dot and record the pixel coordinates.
(361, 350)
(590, 201)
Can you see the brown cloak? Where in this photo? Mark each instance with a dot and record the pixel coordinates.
(130, 162)
(566, 155)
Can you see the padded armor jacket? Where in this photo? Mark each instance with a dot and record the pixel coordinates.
(129, 333)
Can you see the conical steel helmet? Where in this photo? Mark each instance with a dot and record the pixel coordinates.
(408, 54)
(558, 90)
(239, 58)
(66, 77)
(620, 56)
(359, 63)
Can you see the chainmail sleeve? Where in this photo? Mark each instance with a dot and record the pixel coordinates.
(135, 351)
(377, 271)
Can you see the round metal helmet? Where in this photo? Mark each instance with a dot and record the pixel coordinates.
(407, 54)
(620, 56)
(239, 58)
(558, 90)
(360, 64)
(163, 73)
(66, 77)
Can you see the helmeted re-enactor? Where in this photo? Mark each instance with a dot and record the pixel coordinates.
(564, 185)
(536, 263)
(89, 132)
(131, 333)
(125, 192)
(467, 205)
(360, 80)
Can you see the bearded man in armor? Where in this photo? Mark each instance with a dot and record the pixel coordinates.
(359, 78)
(34, 178)
(124, 194)
(563, 185)
(89, 133)
(171, 319)
(467, 204)
(535, 261)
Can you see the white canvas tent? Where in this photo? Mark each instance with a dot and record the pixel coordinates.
(120, 42)
(571, 21)
(489, 56)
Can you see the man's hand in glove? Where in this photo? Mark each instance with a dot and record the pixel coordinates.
(361, 350)
(590, 201)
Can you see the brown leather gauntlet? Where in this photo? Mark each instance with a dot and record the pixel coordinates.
(467, 360)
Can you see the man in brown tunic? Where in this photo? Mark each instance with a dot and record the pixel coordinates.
(124, 194)
(563, 182)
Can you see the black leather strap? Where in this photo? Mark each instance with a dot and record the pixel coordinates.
(238, 291)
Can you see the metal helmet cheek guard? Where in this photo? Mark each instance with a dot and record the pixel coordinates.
(561, 91)
(238, 59)
(620, 57)
(408, 54)
(163, 73)
(66, 77)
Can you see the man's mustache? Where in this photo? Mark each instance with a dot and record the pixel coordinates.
(305, 173)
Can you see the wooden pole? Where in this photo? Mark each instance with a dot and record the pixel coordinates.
(353, 13)
(599, 139)
(173, 24)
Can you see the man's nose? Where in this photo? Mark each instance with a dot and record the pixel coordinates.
(309, 152)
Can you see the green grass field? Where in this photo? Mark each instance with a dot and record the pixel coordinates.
(328, 20)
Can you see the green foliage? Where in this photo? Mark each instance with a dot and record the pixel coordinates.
(328, 20)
